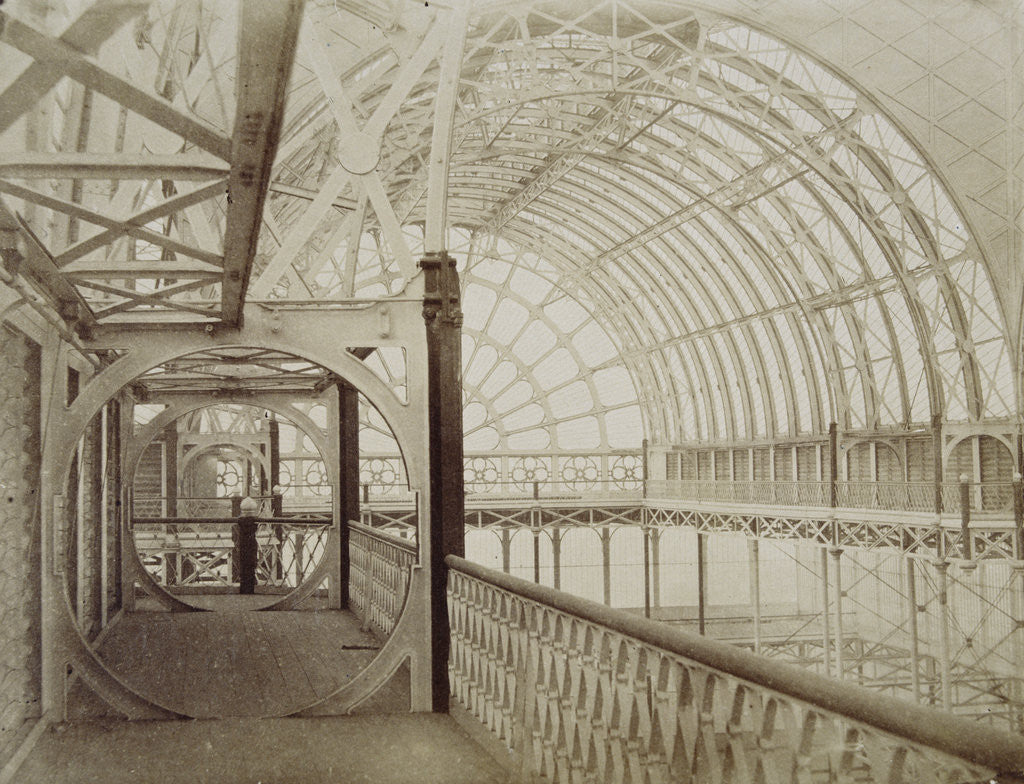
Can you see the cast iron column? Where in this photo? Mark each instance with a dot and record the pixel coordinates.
(348, 481)
(272, 486)
(170, 494)
(274, 458)
(833, 465)
(965, 517)
(443, 316)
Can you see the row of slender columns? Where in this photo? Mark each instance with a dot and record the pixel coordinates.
(652, 558)
(836, 656)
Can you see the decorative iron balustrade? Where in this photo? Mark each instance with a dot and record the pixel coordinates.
(193, 555)
(518, 474)
(513, 491)
(579, 692)
(485, 484)
(994, 497)
(380, 566)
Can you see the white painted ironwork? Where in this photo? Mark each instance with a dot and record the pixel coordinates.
(578, 691)
(198, 553)
(381, 565)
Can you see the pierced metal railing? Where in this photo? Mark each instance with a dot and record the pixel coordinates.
(195, 554)
(581, 692)
(380, 567)
(891, 496)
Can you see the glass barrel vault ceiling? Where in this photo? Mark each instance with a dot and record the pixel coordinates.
(764, 249)
(669, 225)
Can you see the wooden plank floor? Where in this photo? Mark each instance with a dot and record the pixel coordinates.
(393, 749)
(240, 663)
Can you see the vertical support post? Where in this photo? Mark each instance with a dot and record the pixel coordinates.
(115, 500)
(754, 559)
(945, 664)
(937, 477)
(837, 554)
(701, 583)
(272, 485)
(80, 522)
(247, 478)
(443, 317)
(606, 563)
(348, 478)
(1018, 517)
(506, 550)
(645, 532)
(236, 566)
(646, 467)
(535, 529)
(915, 635)
(556, 557)
(246, 555)
(124, 521)
(246, 547)
(965, 517)
(104, 512)
(274, 460)
(826, 630)
(833, 465)
(655, 566)
(979, 491)
(937, 463)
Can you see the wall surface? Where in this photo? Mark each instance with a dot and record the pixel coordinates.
(20, 643)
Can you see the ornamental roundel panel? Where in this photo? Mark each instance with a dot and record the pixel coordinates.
(230, 478)
(579, 472)
(627, 471)
(481, 474)
(381, 474)
(315, 477)
(529, 470)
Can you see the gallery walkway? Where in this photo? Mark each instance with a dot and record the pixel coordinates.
(242, 663)
(387, 749)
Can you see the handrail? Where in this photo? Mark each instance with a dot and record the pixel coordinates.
(384, 536)
(199, 497)
(191, 521)
(990, 748)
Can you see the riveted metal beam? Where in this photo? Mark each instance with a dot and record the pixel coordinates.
(266, 51)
